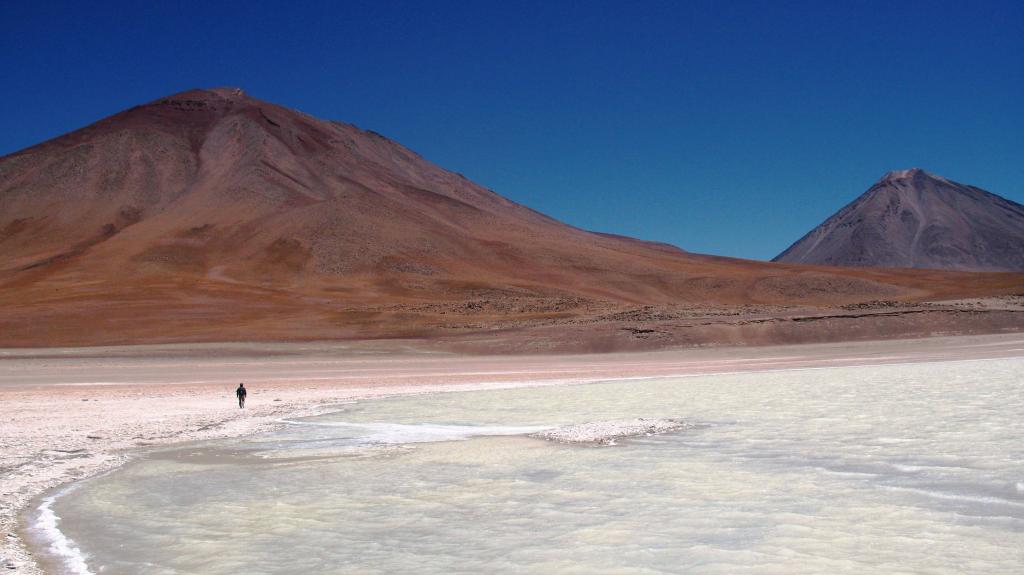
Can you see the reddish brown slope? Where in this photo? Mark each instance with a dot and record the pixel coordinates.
(213, 215)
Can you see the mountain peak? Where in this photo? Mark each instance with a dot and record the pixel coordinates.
(912, 218)
(215, 179)
(909, 174)
(229, 92)
(204, 96)
(222, 92)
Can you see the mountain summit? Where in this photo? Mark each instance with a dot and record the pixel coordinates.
(914, 219)
(215, 181)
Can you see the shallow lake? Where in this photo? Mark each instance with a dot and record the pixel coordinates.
(914, 468)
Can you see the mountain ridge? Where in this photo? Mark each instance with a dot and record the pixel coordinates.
(213, 215)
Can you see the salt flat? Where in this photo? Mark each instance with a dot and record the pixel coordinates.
(71, 413)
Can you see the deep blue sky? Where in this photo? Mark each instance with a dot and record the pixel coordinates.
(722, 127)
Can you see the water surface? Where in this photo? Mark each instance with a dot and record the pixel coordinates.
(915, 468)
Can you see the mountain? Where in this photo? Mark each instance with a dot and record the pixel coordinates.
(212, 215)
(914, 219)
(215, 184)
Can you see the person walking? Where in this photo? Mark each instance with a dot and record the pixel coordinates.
(240, 393)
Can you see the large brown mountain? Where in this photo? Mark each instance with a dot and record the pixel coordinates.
(914, 219)
(211, 215)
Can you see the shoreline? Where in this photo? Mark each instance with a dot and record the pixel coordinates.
(18, 551)
(58, 436)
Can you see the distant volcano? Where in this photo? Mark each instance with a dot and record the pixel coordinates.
(214, 184)
(212, 215)
(914, 219)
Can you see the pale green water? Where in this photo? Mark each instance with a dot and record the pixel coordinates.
(914, 468)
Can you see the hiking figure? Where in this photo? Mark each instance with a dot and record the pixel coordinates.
(240, 392)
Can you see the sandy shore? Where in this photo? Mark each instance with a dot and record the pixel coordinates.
(73, 413)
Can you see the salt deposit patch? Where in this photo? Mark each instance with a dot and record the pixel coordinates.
(606, 432)
(397, 433)
(60, 546)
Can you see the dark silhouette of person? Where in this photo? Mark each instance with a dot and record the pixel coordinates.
(240, 393)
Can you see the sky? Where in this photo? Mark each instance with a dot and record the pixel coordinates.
(729, 128)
